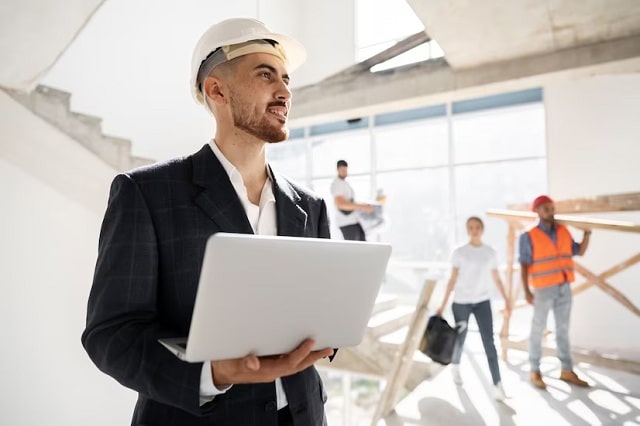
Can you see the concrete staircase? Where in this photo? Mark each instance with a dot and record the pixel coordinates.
(53, 106)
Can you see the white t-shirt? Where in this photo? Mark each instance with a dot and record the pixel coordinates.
(342, 187)
(474, 264)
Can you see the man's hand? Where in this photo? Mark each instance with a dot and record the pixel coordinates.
(253, 369)
(529, 296)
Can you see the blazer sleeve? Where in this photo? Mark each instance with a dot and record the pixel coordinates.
(323, 222)
(123, 322)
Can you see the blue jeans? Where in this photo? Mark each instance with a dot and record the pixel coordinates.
(558, 298)
(484, 318)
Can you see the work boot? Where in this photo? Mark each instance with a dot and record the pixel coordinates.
(536, 380)
(571, 377)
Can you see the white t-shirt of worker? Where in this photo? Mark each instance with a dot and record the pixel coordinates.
(342, 187)
(474, 264)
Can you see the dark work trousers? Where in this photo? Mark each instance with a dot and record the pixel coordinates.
(353, 232)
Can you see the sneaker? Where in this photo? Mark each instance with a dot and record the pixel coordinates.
(536, 380)
(571, 377)
(455, 372)
(498, 392)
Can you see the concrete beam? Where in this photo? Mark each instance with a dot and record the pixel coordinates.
(436, 81)
(399, 48)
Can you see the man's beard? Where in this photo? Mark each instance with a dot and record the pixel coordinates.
(245, 119)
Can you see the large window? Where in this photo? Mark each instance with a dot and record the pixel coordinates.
(411, 145)
(290, 158)
(483, 186)
(499, 134)
(418, 209)
(353, 146)
(437, 165)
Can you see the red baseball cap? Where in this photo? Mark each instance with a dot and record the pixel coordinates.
(542, 199)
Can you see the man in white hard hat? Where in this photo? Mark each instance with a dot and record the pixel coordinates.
(153, 237)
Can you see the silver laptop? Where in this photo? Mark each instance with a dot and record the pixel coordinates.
(264, 295)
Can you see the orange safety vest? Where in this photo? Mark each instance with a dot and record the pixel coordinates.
(552, 263)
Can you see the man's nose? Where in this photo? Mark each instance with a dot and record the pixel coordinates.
(283, 92)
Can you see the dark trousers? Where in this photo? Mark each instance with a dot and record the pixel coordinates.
(484, 318)
(353, 232)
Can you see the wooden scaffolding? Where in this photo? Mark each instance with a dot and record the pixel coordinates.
(518, 219)
(397, 363)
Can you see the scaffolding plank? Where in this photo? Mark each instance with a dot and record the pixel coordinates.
(575, 221)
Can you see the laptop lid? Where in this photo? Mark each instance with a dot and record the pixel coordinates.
(264, 294)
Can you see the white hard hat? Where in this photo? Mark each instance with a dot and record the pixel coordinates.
(236, 31)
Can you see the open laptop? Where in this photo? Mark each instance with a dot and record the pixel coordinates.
(264, 295)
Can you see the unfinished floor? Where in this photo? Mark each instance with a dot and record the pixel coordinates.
(613, 399)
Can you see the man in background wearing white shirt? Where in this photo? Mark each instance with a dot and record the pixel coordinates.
(343, 198)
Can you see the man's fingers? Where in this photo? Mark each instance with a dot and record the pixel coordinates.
(253, 369)
(298, 359)
(325, 352)
(270, 367)
(313, 357)
(306, 346)
(298, 354)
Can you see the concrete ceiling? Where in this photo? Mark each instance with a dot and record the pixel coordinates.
(474, 33)
(490, 47)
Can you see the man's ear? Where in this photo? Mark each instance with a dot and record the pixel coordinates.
(213, 88)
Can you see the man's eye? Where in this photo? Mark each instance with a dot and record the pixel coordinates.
(266, 75)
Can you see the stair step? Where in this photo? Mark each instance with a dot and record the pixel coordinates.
(421, 372)
(396, 337)
(53, 105)
(384, 302)
(390, 320)
(52, 95)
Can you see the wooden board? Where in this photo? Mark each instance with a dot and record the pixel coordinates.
(575, 221)
(603, 203)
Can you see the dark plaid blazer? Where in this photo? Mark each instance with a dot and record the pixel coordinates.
(152, 242)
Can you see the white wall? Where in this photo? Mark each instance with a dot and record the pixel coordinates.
(593, 142)
(48, 247)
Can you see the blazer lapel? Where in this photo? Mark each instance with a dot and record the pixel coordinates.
(291, 218)
(218, 198)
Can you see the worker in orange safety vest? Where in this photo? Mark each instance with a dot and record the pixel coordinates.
(546, 252)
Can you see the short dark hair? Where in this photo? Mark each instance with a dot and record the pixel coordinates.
(341, 163)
